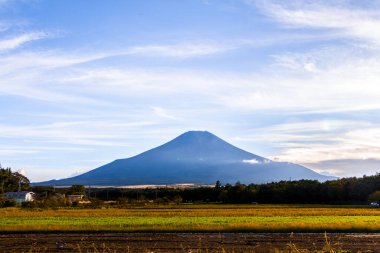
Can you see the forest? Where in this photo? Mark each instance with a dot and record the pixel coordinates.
(342, 191)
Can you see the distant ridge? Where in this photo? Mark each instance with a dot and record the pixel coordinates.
(195, 157)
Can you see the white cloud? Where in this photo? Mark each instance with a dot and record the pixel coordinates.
(6, 152)
(251, 161)
(89, 133)
(254, 161)
(9, 150)
(337, 78)
(161, 112)
(15, 42)
(77, 173)
(179, 50)
(22, 172)
(347, 167)
(61, 76)
(339, 147)
(350, 20)
(321, 80)
(317, 141)
(47, 60)
(37, 75)
(330, 84)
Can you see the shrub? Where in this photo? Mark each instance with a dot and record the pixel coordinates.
(4, 202)
(375, 196)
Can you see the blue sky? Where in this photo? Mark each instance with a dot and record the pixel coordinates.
(85, 82)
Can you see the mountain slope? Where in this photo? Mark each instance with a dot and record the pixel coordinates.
(193, 157)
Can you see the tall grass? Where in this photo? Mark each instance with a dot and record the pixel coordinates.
(198, 210)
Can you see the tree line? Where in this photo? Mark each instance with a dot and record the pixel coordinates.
(341, 191)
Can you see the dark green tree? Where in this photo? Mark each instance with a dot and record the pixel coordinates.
(77, 189)
(12, 181)
(375, 196)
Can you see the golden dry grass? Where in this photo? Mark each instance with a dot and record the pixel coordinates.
(205, 218)
(198, 211)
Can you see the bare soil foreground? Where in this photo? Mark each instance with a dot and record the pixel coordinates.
(190, 242)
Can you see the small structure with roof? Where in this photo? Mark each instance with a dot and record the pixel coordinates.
(75, 197)
(20, 197)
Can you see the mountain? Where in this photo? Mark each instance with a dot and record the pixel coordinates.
(197, 157)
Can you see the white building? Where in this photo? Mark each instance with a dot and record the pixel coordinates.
(20, 196)
(74, 198)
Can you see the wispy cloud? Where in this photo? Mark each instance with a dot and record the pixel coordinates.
(161, 112)
(93, 132)
(15, 42)
(109, 97)
(37, 75)
(3, 26)
(350, 20)
(50, 75)
(254, 161)
(324, 80)
(344, 167)
(291, 89)
(315, 143)
(6, 150)
(179, 50)
(17, 151)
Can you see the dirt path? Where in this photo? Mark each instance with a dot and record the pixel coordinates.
(184, 242)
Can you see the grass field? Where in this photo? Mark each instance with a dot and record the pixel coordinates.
(201, 218)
